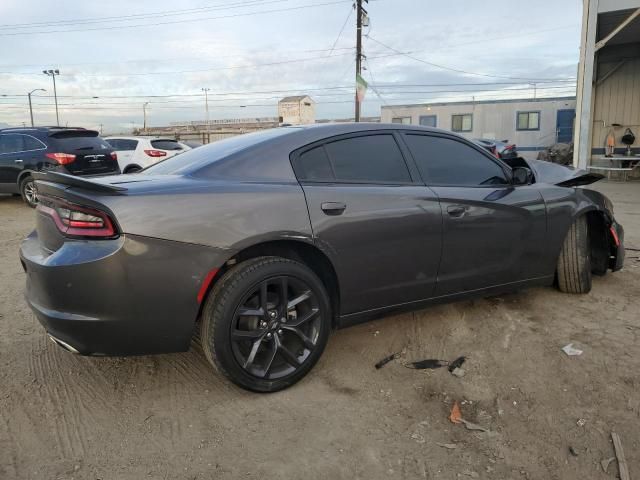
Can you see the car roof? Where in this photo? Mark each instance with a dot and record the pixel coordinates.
(44, 129)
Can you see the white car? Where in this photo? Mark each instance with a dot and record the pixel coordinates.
(136, 153)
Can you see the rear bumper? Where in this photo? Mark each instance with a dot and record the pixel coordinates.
(127, 296)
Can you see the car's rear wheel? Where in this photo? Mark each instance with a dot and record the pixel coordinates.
(266, 323)
(29, 192)
(574, 263)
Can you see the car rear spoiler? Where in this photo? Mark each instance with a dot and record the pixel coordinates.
(77, 182)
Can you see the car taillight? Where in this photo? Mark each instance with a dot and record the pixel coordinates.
(114, 156)
(155, 153)
(77, 221)
(61, 158)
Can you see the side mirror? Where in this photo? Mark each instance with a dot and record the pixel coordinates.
(521, 176)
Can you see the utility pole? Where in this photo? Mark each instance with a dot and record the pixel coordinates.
(358, 52)
(144, 116)
(53, 73)
(30, 107)
(206, 107)
(100, 129)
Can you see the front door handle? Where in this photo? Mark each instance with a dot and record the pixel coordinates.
(333, 208)
(456, 210)
(17, 161)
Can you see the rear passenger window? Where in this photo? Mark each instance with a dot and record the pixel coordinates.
(370, 158)
(314, 165)
(443, 161)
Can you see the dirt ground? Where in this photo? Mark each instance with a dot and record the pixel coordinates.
(172, 417)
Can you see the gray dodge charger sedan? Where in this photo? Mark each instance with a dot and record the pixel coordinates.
(268, 241)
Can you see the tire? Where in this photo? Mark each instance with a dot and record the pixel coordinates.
(270, 348)
(28, 192)
(133, 169)
(574, 263)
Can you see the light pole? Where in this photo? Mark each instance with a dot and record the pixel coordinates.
(144, 116)
(206, 104)
(30, 107)
(53, 73)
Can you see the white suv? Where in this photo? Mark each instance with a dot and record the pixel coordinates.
(136, 153)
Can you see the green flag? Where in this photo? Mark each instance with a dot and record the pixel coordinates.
(361, 87)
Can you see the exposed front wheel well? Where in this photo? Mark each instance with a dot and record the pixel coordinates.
(304, 253)
(599, 242)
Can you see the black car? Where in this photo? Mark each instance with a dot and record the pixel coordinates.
(268, 241)
(75, 151)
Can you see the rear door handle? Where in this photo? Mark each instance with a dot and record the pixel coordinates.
(456, 210)
(17, 161)
(333, 208)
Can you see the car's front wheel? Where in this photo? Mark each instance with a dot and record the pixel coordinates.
(266, 323)
(574, 263)
(29, 191)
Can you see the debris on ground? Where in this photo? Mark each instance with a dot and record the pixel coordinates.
(473, 426)
(458, 372)
(622, 462)
(456, 415)
(470, 473)
(433, 363)
(387, 359)
(572, 451)
(606, 462)
(571, 351)
(581, 422)
(448, 446)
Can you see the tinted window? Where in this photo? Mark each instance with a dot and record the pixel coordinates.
(123, 144)
(372, 158)
(166, 144)
(11, 143)
(207, 155)
(314, 165)
(70, 143)
(31, 143)
(443, 161)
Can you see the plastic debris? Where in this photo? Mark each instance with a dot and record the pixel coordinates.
(606, 462)
(571, 351)
(435, 363)
(581, 422)
(572, 451)
(457, 363)
(456, 415)
(458, 372)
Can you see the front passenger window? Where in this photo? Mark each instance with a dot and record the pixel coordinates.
(445, 161)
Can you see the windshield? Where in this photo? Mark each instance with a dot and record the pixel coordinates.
(193, 160)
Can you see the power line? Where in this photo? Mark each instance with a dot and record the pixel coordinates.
(173, 22)
(139, 16)
(443, 67)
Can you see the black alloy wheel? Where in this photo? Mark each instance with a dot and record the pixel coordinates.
(266, 323)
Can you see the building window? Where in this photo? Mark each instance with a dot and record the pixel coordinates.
(429, 120)
(404, 120)
(462, 123)
(528, 121)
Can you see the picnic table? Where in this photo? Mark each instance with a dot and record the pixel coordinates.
(615, 165)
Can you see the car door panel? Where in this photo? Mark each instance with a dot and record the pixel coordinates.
(385, 245)
(491, 236)
(493, 231)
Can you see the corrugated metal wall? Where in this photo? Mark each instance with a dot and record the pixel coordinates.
(617, 100)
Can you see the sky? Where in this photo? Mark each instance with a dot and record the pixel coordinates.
(115, 56)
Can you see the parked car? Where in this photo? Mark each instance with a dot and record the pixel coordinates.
(136, 153)
(272, 239)
(503, 149)
(488, 145)
(75, 151)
